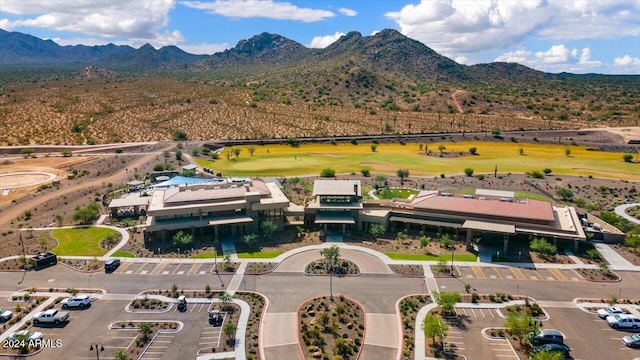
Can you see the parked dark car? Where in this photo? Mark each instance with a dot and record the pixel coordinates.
(546, 336)
(182, 303)
(111, 265)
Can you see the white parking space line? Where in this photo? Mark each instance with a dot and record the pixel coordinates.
(202, 272)
(180, 272)
(165, 272)
(144, 272)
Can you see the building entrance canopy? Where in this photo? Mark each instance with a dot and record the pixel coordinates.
(489, 226)
(334, 219)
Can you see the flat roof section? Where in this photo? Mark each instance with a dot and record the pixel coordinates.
(337, 187)
(531, 210)
(495, 193)
(489, 227)
(130, 201)
(424, 222)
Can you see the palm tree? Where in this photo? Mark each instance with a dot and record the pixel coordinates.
(121, 355)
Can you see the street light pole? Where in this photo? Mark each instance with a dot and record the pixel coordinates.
(98, 346)
(452, 250)
(331, 283)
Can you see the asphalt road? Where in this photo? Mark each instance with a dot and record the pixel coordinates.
(376, 290)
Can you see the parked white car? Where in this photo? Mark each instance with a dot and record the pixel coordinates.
(26, 335)
(624, 321)
(78, 301)
(5, 315)
(611, 310)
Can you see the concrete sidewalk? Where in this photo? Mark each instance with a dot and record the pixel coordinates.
(616, 261)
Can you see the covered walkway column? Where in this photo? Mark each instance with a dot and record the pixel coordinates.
(469, 237)
(505, 244)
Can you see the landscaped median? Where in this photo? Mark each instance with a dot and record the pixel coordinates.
(83, 241)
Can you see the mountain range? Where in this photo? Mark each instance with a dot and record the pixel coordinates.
(387, 52)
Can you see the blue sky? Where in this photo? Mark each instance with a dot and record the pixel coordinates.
(579, 36)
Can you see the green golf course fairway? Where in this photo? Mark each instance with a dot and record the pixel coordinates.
(310, 159)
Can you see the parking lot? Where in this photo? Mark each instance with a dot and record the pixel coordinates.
(515, 273)
(92, 325)
(165, 268)
(465, 335)
(588, 336)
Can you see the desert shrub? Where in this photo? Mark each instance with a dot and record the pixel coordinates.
(327, 173)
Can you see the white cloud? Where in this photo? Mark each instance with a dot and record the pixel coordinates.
(347, 12)
(462, 60)
(518, 56)
(321, 42)
(461, 27)
(260, 8)
(140, 19)
(556, 54)
(374, 32)
(626, 61)
(585, 58)
(204, 48)
(557, 58)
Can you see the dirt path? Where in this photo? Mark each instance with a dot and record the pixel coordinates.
(455, 100)
(14, 211)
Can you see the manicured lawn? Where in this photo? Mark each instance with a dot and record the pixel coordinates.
(125, 254)
(396, 193)
(278, 160)
(204, 255)
(81, 241)
(443, 257)
(260, 255)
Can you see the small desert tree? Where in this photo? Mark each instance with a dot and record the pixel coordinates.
(446, 241)
(180, 135)
(473, 151)
(88, 214)
(251, 240)
(376, 230)
(442, 148)
(433, 326)
(542, 246)
(331, 254)
(268, 227)
(145, 330)
(182, 239)
(251, 149)
(446, 300)
(627, 157)
(327, 173)
(229, 330)
(374, 147)
(565, 194)
(567, 152)
(402, 174)
(237, 152)
(518, 325)
(121, 355)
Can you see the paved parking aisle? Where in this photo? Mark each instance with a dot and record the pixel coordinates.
(588, 336)
(182, 269)
(502, 349)
(477, 312)
(148, 268)
(210, 335)
(158, 347)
